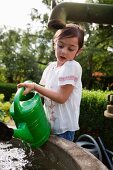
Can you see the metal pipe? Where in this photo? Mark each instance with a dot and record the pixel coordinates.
(79, 12)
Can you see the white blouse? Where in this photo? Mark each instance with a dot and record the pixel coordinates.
(63, 117)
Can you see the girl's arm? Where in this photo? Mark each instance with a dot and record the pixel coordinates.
(59, 96)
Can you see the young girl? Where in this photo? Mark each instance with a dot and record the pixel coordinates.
(61, 83)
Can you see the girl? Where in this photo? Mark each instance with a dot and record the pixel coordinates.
(61, 83)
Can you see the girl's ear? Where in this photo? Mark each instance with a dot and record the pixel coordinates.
(79, 51)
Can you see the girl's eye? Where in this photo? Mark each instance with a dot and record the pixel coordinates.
(70, 49)
(60, 46)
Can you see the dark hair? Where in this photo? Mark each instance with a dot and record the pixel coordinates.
(71, 30)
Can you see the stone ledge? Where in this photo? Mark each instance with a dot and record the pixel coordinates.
(72, 156)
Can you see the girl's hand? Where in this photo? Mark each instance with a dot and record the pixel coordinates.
(28, 87)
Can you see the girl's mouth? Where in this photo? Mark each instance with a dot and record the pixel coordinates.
(62, 58)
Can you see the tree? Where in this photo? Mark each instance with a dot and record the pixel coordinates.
(18, 56)
(25, 54)
(98, 54)
(9, 42)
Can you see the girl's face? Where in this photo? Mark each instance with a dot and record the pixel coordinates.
(66, 49)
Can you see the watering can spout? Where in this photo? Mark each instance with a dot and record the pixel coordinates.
(32, 125)
(23, 133)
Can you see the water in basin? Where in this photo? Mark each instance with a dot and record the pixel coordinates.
(15, 155)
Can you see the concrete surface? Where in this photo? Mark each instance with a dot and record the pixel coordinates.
(72, 156)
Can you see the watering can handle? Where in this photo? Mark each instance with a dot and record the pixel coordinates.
(17, 98)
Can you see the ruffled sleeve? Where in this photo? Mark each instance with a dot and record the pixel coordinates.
(70, 73)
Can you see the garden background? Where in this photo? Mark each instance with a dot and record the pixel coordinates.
(24, 54)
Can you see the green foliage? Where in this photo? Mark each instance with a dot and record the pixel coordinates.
(2, 114)
(105, 1)
(2, 74)
(4, 109)
(7, 89)
(97, 55)
(19, 56)
(92, 119)
(24, 54)
(102, 82)
(93, 105)
(100, 1)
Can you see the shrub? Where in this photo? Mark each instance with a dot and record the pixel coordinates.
(7, 89)
(4, 109)
(92, 119)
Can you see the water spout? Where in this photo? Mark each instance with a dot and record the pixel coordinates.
(79, 12)
(109, 110)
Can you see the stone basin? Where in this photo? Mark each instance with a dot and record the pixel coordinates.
(55, 154)
(72, 156)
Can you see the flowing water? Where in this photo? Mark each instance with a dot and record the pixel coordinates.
(15, 155)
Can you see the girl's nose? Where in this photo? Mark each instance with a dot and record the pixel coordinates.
(64, 50)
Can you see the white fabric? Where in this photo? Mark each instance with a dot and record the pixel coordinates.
(63, 117)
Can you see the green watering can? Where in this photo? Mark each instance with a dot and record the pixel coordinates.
(30, 118)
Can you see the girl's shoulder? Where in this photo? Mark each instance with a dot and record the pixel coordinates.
(51, 64)
(71, 64)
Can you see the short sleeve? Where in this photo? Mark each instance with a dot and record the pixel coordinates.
(70, 73)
